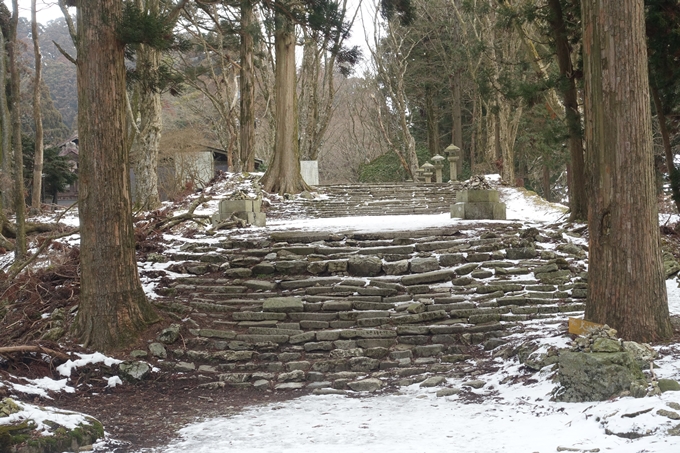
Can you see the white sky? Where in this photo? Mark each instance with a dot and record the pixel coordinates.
(47, 9)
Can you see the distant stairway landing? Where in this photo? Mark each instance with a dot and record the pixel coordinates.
(346, 200)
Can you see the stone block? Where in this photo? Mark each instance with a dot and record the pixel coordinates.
(427, 277)
(298, 366)
(363, 364)
(420, 265)
(328, 335)
(345, 344)
(314, 324)
(263, 338)
(257, 316)
(430, 350)
(228, 207)
(521, 253)
(596, 376)
(318, 346)
(282, 305)
(368, 343)
(413, 330)
(317, 267)
(258, 219)
(476, 196)
(337, 266)
(364, 266)
(396, 267)
(367, 385)
(302, 338)
(450, 259)
(264, 268)
(414, 340)
(478, 211)
(292, 267)
(336, 305)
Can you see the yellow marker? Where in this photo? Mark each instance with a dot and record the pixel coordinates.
(578, 326)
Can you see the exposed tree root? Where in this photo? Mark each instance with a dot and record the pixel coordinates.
(17, 267)
(188, 216)
(28, 348)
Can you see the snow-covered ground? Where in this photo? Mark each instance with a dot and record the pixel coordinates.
(507, 418)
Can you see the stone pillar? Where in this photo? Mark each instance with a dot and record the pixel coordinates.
(419, 176)
(438, 162)
(453, 156)
(427, 172)
(309, 169)
(478, 204)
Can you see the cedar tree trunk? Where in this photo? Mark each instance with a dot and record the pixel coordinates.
(247, 81)
(113, 308)
(667, 150)
(626, 279)
(15, 101)
(578, 201)
(5, 179)
(283, 174)
(36, 198)
(147, 142)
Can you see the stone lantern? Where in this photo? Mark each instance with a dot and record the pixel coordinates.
(427, 171)
(438, 162)
(453, 155)
(419, 175)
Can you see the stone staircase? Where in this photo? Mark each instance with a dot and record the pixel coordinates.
(323, 311)
(370, 199)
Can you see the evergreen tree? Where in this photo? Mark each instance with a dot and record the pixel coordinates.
(626, 278)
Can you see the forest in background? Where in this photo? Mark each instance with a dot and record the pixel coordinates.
(486, 76)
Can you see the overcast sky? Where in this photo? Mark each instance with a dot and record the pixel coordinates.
(49, 10)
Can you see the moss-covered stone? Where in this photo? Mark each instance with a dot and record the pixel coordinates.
(669, 385)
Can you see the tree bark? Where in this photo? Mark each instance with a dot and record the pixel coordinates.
(283, 174)
(247, 81)
(578, 201)
(5, 180)
(145, 146)
(36, 198)
(667, 150)
(432, 123)
(626, 279)
(457, 123)
(113, 308)
(15, 101)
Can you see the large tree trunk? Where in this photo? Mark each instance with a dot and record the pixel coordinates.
(36, 199)
(673, 172)
(457, 123)
(15, 83)
(626, 281)
(113, 308)
(578, 201)
(247, 81)
(432, 123)
(5, 179)
(509, 116)
(144, 151)
(283, 174)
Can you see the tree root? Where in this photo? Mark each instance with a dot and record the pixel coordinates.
(16, 268)
(28, 348)
(188, 216)
(5, 244)
(9, 230)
